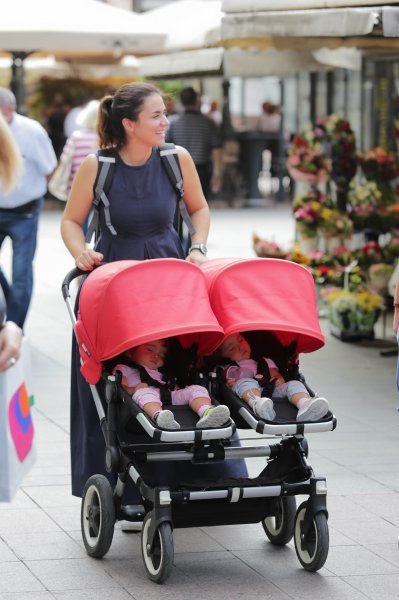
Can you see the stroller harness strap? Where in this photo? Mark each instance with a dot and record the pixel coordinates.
(105, 172)
(165, 388)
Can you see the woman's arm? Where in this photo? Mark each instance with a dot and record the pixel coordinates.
(77, 209)
(197, 206)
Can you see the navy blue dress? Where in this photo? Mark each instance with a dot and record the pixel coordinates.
(142, 207)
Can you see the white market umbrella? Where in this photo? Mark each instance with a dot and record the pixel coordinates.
(75, 26)
(70, 28)
(188, 24)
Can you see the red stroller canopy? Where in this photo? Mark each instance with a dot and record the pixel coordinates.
(127, 303)
(265, 294)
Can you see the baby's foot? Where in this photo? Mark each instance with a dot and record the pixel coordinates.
(214, 416)
(313, 409)
(263, 408)
(166, 420)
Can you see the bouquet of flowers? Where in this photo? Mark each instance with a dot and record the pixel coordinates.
(369, 254)
(310, 210)
(336, 225)
(352, 315)
(365, 206)
(381, 166)
(342, 143)
(313, 195)
(267, 249)
(295, 255)
(379, 275)
(378, 164)
(307, 160)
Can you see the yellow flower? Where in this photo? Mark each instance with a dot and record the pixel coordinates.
(369, 302)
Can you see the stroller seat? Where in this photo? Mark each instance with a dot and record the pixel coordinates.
(134, 420)
(284, 423)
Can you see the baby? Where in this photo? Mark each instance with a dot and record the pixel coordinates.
(151, 356)
(240, 376)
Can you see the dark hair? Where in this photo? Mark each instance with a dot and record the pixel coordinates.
(126, 103)
(188, 96)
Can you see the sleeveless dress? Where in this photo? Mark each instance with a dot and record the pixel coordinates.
(142, 207)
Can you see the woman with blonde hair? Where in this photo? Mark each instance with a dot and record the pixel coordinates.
(10, 169)
(10, 157)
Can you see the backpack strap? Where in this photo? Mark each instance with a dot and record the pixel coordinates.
(105, 172)
(170, 160)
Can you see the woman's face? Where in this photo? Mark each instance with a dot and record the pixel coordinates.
(236, 348)
(151, 126)
(150, 355)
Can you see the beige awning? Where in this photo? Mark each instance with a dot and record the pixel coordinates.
(300, 23)
(235, 62)
(255, 5)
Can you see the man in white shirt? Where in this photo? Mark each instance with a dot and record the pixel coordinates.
(20, 209)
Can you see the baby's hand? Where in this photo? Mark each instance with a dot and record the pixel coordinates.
(279, 380)
(230, 383)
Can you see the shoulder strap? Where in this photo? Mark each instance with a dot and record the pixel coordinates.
(105, 172)
(170, 161)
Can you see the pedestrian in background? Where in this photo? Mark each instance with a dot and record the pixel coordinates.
(199, 135)
(83, 141)
(20, 208)
(10, 171)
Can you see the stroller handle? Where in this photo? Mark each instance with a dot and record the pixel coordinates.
(69, 277)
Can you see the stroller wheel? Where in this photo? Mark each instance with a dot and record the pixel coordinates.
(279, 528)
(97, 516)
(312, 551)
(158, 561)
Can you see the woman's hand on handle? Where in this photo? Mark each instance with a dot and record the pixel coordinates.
(88, 259)
(196, 257)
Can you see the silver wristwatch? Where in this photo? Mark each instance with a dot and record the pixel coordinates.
(201, 247)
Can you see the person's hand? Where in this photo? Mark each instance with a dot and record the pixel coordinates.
(196, 257)
(230, 383)
(279, 380)
(88, 259)
(10, 345)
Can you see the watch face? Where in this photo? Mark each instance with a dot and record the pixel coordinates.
(201, 247)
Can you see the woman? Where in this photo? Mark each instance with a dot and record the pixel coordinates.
(10, 169)
(142, 206)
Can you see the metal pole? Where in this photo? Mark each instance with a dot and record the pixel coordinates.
(281, 144)
(17, 83)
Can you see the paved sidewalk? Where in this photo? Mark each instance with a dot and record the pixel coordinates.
(41, 550)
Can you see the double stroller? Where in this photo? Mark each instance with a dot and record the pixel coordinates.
(128, 303)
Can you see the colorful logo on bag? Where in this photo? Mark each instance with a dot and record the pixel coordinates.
(20, 422)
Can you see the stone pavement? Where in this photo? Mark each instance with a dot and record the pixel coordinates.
(41, 550)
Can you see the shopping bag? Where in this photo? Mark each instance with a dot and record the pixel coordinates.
(17, 445)
(58, 183)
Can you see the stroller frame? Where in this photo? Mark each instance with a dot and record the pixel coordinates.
(268, 498)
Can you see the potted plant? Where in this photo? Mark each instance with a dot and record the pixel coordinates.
(352, 315)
